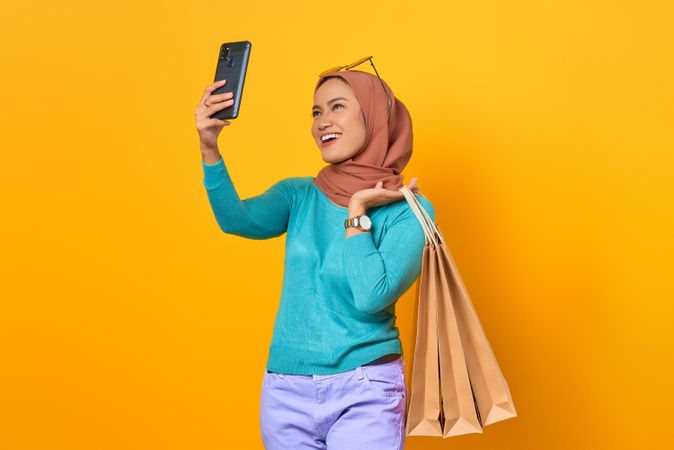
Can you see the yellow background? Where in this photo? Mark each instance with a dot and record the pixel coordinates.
(543, 136)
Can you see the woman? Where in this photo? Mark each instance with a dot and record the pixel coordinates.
(335, 375)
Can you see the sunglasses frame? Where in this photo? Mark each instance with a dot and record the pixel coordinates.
(357, 63)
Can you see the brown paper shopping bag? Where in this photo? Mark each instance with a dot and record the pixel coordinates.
(457, 386)
(490, 388)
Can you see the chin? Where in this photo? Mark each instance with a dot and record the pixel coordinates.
(333, 160)
(328, 157)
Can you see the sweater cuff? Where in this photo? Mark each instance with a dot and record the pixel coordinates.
(214, 173)
(217, 163)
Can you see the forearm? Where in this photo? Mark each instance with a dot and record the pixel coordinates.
(260, 217)
(379, 274)
(210, 155)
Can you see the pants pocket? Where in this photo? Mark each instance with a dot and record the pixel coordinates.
(385, 379)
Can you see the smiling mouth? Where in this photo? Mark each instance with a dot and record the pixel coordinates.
(330, 141)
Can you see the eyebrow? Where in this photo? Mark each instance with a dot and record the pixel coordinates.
(330, 101)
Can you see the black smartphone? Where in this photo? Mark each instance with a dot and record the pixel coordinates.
(232, 64)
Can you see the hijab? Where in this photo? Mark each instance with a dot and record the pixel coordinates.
(387, 147)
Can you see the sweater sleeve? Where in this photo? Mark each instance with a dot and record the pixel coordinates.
(379, 276)
(260, 217)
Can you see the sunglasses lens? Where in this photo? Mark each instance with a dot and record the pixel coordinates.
(334, 69)
(350, 66)
(359, 62)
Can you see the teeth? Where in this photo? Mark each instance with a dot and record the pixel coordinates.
(324, 138)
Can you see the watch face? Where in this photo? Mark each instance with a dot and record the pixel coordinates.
(365, 222)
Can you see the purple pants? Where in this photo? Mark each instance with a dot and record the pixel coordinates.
(363, 408)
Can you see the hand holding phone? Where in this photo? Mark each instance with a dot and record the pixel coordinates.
(232, 65)
(208, 128)
(222, 99)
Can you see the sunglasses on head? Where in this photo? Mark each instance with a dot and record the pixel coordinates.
(357, 63)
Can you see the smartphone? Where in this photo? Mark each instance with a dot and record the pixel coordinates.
(232, 64)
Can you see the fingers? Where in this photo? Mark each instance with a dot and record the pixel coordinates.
(219, 98)
(212, 109)
(413, 186)
(214, 106)
(217, 122)
(209, 89)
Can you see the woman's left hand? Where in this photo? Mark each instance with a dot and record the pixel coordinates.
(377, 196)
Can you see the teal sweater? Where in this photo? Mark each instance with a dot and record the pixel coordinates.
(337, 307)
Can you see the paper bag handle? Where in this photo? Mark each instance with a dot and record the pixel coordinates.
(427, 224)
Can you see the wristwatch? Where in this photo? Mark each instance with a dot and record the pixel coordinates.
(362, 222)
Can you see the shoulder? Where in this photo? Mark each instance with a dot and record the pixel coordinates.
(403, 211)
(292, 183)
(290, 188)
(296, 182)
(427, 205)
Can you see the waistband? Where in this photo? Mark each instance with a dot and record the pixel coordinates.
(387, 359)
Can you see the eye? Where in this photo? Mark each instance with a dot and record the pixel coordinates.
(333, 107)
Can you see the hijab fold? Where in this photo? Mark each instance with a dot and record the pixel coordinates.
(387, 147)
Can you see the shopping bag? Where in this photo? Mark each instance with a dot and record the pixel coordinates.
(457, 387)
(490, 388)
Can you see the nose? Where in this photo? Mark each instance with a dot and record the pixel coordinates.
(324, 126)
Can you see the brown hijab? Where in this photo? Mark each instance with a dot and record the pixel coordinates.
(387, 147)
